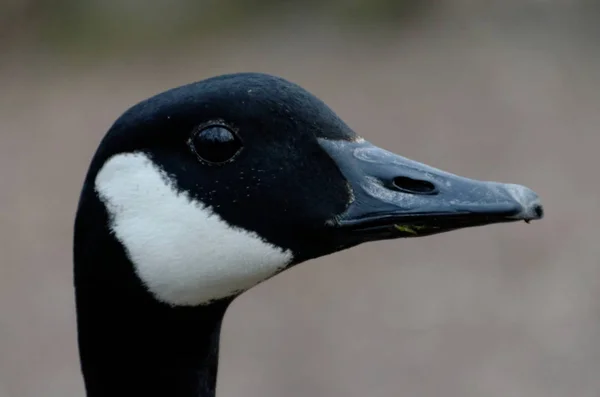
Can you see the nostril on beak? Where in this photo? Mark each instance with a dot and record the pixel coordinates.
(413, 186)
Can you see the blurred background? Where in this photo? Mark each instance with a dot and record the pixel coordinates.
(504, 90)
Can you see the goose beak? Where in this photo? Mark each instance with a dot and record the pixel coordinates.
(397, 197)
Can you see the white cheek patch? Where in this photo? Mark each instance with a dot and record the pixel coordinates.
(182, 251)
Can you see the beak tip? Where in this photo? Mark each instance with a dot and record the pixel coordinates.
(532, 213)
(529, 201)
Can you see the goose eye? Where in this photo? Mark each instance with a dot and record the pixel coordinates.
(215, 144)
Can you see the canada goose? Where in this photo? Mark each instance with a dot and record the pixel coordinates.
(201, 192)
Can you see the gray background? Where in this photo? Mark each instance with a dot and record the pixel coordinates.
(506, 91)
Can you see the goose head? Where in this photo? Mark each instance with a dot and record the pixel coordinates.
(201, 192)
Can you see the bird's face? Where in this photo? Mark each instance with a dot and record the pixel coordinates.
(213, 187)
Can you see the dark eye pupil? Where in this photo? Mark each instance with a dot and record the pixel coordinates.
(215, 144)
